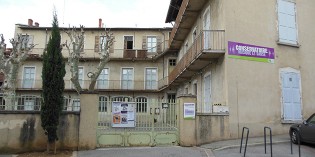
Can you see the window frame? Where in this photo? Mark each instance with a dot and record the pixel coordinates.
(33, 79)
(150, 45)
(151, 87)
(122, 78)
(106, 82)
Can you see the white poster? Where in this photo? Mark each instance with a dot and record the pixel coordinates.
(123, 114)
(189, 110)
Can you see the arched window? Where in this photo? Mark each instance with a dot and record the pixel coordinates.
(142, 103)
(103, 101)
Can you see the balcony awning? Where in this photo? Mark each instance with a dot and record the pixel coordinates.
(173, 10)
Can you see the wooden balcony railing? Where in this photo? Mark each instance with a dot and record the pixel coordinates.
(208, 42)
(30, 84)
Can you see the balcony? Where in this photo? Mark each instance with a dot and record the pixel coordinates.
(104, 85)
(185, 19)
(116, 54)
(208, 46)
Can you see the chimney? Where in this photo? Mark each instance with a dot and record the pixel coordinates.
(36, 24)
(30, 22)
(100, 23)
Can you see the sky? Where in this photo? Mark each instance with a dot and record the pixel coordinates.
(114, 13)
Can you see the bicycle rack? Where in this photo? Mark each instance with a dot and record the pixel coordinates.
(270, 134)
(299, 142)
(242, 140)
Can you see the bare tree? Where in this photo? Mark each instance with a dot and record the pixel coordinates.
(77, 41)
(10, 63)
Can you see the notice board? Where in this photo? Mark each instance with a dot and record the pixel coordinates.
(123, 114)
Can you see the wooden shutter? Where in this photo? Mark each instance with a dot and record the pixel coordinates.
(97, 44)
(144, 42)
(159, 44)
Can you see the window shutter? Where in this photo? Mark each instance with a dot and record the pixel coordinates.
(97, 44)
(111, 49)
(159, 44)
(287, 22)
(144, 42)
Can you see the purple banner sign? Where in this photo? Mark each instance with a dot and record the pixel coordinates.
(250, 52)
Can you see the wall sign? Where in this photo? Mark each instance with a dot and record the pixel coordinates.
(250, 52)
(189, 110)
(123, 114)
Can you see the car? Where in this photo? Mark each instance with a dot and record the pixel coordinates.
(306, 130)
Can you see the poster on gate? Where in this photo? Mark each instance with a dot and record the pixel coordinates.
(123, 114)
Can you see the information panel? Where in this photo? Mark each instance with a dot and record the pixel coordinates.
(123, 114)
(189, 110)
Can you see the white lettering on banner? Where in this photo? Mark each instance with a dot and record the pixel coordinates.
(252, 51)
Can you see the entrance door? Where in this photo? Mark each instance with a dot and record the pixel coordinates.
(206, 29)
(291, 96)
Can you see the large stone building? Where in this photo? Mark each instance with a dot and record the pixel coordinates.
(242, 63)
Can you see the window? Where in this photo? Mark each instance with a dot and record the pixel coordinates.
(287, 22)
(28, 77)
(152, 43)
(122, 99)
(151, 78)
(71, 104)
(128, 42)
(102, 104)
(141, 104)
(27, 40)
(29, 103)
(80, 76)
(311, 120)
(102, 81)
(195, 88)
(127, 78)
(172, 62)
(76, 104)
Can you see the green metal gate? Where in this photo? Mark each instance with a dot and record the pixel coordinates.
(156, 124)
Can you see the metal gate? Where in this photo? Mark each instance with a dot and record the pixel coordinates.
(156, 124)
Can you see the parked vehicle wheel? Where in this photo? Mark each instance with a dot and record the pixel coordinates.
(294, 136)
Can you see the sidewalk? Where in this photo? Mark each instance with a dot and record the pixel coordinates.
(252, 141)
(281, 147)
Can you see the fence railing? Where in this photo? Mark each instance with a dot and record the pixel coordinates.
(113, 53)
(100, 84)
(33, 103)
(208, 41)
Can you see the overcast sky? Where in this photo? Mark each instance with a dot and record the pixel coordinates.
(115, 13)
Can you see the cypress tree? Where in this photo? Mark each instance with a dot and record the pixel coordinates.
(53, 73)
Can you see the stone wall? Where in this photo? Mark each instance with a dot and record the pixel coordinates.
(21, 132)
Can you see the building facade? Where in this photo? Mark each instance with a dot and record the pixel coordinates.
(253, 58)
(242, 63)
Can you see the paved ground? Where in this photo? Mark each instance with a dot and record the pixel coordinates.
(172, 151)
(229, 148)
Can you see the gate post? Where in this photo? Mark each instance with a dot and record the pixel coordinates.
(88, 120)
(187, 126)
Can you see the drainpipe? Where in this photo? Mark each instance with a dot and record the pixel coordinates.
(46, 40)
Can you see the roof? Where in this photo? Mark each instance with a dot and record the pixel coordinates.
(22, 26)
(173, 10)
